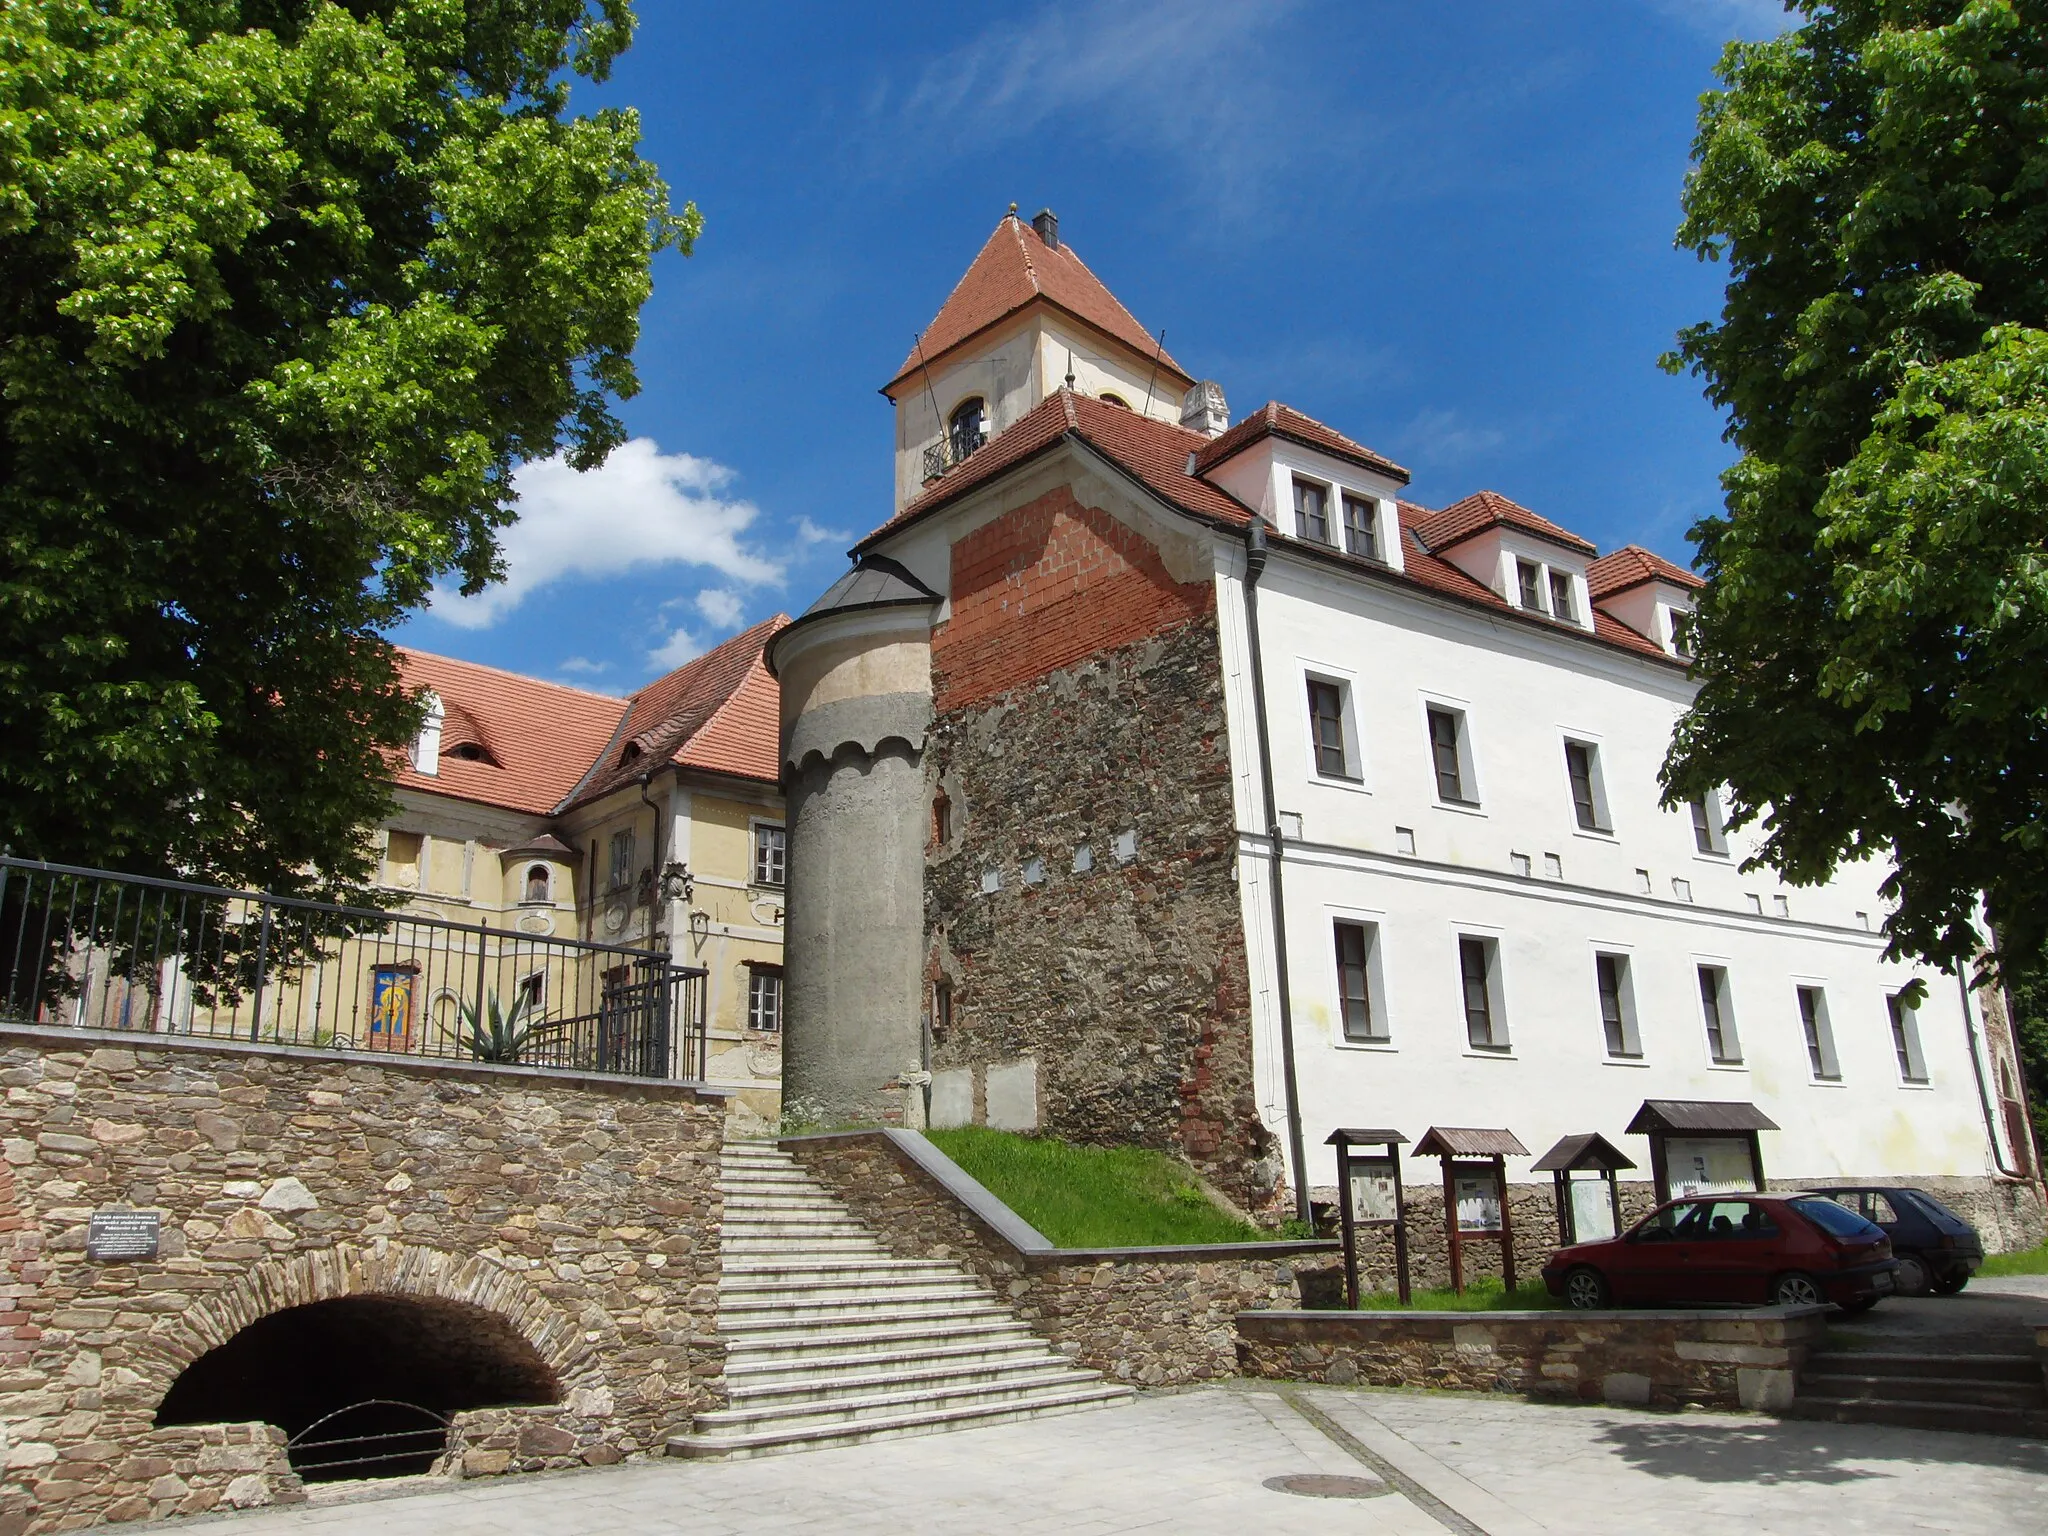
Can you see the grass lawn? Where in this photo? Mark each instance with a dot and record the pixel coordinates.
(2030, 1261)
(1093, 1197)
(1485, 1294)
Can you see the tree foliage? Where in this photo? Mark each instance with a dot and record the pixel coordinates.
(1873, 638)
(291, 287)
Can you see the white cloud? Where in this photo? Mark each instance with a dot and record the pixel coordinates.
(1182, 76)
(679, 647)
(583, 666)
(812, 533)
(720, 606)
(1445, 437)
(642, 508)
(1752, 19)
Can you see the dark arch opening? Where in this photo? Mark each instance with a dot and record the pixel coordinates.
(364, 1384)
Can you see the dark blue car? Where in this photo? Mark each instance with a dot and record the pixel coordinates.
(1937, 1250)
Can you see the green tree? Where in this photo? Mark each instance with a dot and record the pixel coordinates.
(290, 289)
(1873, 640)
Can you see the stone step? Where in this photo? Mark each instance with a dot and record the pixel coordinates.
(740, 1299)
(786, 1387)
(929, 1421)
(770, 1216)
(759, 1370)
(1856, 1362)
(772, 1269)
(835, 1410)
(1908, 1414)
(870, 1338)
(753, 1324)
(760, 1205)
(1924, 1389)
(755, 1247)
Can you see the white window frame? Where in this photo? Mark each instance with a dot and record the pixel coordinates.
(1524, 567)
(1828, 1069)
(1731, 1029)
(757, 825)
(622, 838)
(1603, 816)
(1296, 480)
(1374, 924)
(1347, 697)
(1631, 1050)
(1378, 510)
(1499, 1042)
(1474, 801)
(1905, 1035)
(1717, 827)
(764, 996)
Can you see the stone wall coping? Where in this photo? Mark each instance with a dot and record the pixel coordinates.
(1338, 1320)
(1027, 1240)
(66, 1037)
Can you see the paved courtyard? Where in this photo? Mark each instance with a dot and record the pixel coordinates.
(1198, 1462)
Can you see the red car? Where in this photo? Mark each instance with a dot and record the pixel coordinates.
(1782, 1250)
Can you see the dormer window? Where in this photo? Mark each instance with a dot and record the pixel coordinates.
(1110, 397)
(1361, 526)
(967, 428)
(1312, 512)
(1530, 576)
(1561, 597)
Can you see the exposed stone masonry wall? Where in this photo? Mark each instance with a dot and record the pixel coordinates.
(1158, 1318)
(582, 1211)
(1126, 982)
(1665, 1359)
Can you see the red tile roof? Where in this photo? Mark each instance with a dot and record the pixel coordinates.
(1276, 420)
(1154, 452)
(1631, 566)
(541, 737)
(1017, 268)
(1489, 509)
(720, 712)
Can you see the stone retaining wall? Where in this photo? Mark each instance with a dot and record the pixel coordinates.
(582, 1211)
(1148, 1316)
(1663, 1359)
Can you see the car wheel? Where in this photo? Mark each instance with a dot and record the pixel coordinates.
(1797, 1290)
(1949, 1284)
(1586, 1290)
(1858, 1308)
(1912, 1278)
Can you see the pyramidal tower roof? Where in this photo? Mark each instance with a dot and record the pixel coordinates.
(1023, 264)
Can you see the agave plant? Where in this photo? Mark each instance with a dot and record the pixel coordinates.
(499, 1034)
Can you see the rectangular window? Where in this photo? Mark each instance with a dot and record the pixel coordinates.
(1617, 1006)
(622, 861)
(1361, 526)
(764, 998)
(1820, 1039)
(1312, 511)
(1326, 721)
(1582, 767)
(1707, 832)
(402, 859)
(1530, 575)
(1447, 754)
(1478, 974)
(1561, 597)
(1906, 1040)
(1356, 944)
(1722, 1044)
(771, 854)
(942, 1007)
(533, 991)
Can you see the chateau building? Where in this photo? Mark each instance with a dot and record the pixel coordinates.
(652, 821)
(1158, 779)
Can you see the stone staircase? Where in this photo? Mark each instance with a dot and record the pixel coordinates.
(1991, 1394)
(831, 1341)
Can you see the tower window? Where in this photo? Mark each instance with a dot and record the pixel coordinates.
(967, 428)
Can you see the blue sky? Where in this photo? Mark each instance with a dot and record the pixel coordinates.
(1442, 226)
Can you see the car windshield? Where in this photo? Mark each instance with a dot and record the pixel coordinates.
(1835, 1219)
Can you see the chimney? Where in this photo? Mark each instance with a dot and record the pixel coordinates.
(1047, 223)
(1202, 409)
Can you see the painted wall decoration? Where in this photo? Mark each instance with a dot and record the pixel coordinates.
(392, 988)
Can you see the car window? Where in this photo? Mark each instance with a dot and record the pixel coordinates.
(1662, 1226)
(1731, 1220)
(1881, 1210)
(1847, 1199)
(1832, 1218)
(1929, 1206)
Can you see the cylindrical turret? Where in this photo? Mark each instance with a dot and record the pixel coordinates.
(856, 704)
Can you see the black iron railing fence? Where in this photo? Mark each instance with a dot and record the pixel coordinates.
(96, 949)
